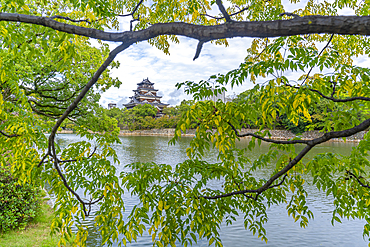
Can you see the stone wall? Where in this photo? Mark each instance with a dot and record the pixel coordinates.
(154, 132)
(275, 134)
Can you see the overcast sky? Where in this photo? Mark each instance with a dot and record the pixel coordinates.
(145, 61)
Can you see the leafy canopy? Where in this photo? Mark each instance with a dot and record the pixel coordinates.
(50, 73)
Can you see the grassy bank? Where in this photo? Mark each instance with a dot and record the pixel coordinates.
(36, 234)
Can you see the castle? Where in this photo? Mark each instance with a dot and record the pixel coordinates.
(146, 94)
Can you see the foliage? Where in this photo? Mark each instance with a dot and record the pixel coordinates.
(19, 202)
(50, 72)
(37, 232)
(142, 116)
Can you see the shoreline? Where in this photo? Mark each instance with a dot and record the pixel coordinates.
(275, 134)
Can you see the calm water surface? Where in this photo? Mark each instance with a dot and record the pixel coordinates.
(281, 229)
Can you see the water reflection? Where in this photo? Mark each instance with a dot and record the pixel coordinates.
(281, 229)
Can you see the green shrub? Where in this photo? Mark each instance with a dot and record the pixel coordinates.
(18, 203)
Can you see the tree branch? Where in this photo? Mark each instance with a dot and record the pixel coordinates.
(133, 12)
(331, 97)
(219, 18)
(223, 10)
(72, 106)
(73, 160)
(7, 135)
(310, 144)
(359, 25)
(358, 180)
(199, 49)
(327, 44)
(266, 139)
(68, 19)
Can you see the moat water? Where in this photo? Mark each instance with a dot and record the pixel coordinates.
(281, 228)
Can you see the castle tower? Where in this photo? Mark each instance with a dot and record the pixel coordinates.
(146, 94)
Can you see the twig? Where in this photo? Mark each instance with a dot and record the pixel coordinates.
(68, 19)
(73, 160)
(289, 14)
(358, 180)
(331, 37)
(259, 54)
(332, 98)
(219, 18)
(281, 182)
(133, 12)
(266, 139)
(334, 85)
(7, 135)
(43, 158)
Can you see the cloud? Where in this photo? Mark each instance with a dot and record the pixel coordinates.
(142, 60)
(175, 97)
(174, 102)
(175, 93)
(123, 100)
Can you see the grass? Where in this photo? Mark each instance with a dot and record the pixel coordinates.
(36, 234)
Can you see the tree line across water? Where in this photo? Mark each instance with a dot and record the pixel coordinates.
(143, 116)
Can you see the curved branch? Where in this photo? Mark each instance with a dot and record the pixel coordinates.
(72, 106)
(310, 144)
(43, 113)
(268, 184)
(46, 106)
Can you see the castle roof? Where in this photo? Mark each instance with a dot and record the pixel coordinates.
(142, 97)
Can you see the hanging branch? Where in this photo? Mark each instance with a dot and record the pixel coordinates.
(72, 106)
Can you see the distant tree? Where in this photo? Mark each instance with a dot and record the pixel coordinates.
(144, 110)
(170, 111)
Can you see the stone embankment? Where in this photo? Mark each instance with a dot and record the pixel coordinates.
(275, 134)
